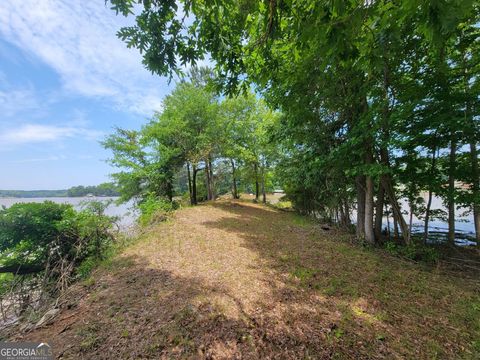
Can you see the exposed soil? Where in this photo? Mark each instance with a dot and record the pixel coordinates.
(235, 280)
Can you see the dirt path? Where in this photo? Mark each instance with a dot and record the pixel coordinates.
(238, 280)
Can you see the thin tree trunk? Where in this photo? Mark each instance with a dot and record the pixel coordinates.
(369, 205)
(427, 216)
(396, 210)
(396, 235)
(360, 186)
(255, 167)
(212, 180)
(379, 212)
(194, 184)
(388, 223)
(345, 213)
(471, 134)
(189, 183)
(430, 198)
(392, 199)
(451, 192)
(410, 222)
(169, 190)
(475, 190)
(264, 195)
(369, 234)
(340, 215)
(207, 180)
(234, 180)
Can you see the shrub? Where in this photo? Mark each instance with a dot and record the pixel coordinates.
(413, 251)
(39, 236)
(153, 210)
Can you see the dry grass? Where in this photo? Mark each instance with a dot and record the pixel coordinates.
(238, 280)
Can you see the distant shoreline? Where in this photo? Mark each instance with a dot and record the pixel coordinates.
(102, 190)
(54, 196)
(32, 194)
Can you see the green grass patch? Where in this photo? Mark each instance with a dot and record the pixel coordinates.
(284, 205)
(303, 274)
(300, 220)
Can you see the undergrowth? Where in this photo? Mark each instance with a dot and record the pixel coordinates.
(413, 251)
(154, 210)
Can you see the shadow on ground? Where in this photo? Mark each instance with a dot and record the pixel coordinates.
(361, 302)
(134, 311)
(328, 299)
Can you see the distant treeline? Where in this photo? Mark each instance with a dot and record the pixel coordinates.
(105, 189)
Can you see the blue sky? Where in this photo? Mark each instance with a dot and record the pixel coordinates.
(65, 82)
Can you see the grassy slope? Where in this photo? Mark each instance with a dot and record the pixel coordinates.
(230, 280)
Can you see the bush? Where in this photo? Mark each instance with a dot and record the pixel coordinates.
(39, 236)
(153, 210)
(413, 251)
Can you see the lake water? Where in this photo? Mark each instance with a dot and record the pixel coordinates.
(464, 225)
(125, 212)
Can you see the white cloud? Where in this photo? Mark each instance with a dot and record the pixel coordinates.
(34, 133)
(77, 39)
(14, 101)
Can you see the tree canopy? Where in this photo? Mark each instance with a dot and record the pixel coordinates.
(379, 99)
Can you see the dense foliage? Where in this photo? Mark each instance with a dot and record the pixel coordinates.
(104, 189)
(380, 99)
(52, 239)
(200, 145)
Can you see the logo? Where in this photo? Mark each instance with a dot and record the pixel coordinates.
(25, 351)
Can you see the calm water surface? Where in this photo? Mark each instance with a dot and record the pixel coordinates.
(464, 226)
(124, 211)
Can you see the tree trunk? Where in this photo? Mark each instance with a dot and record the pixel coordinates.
(169, 189)
(189, 183)
(341, 216)
(255, 167)
(392, 199)
(208, 180)
(430, 197)
(194, 185)
(369, 234)
(360, 186)
(410, 222)
(346, 222)
(475, 190)
(451, 191)
(264, 194)
(397, 212)
(388, 223)
(234, 180)
(212, 180)
(379, 212)
(396, 235)
(427, 216)
(471, 134)
(369, 189)
(344, 214)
